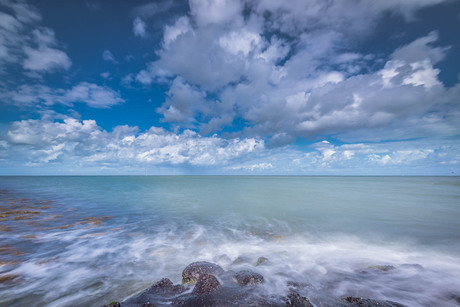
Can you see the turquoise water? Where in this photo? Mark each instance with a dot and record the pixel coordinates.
(88, 240)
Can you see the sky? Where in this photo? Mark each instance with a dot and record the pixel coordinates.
(247, 87)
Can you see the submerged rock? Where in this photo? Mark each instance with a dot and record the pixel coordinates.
(240, 260)
(294, 299)
(206, 284)
(367, 302)
(166, 286)
(382, 268)
(415, 266)
(216, 287)
(260, 261)
(194, 270)
(246, 277)
(160, 293)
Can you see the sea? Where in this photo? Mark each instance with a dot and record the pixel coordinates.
(87, 241)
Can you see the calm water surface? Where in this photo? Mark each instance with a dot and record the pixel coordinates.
(85, 241)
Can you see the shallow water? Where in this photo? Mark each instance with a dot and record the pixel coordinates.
(85, 241)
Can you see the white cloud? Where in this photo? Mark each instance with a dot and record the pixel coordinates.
(181, 26)
(252, 167)
(208, 12)
(84, 141)
(182, 102)
(46, 59)
(241, 41)
(139, 27)
(93, 95)
(299, 97)
(108, 56)
(105, 75)
(75, 145)
(23, 40)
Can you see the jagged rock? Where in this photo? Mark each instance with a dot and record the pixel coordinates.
(246, 277)
(294, 299)
(148, 304)
(194, 270)
(367, 302)
(206, 284)
(112, 304)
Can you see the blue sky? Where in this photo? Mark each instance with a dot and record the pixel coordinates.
(301, 87)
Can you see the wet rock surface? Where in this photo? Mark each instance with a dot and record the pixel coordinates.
(206, 284)
(366, 302)
(294, 299)
(216, 287)
(194, 270)
(246, 278)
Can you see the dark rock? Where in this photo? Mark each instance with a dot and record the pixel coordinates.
(412, 266)
(382, 268)
(294, 299)
(298, 285)
(194, 270)
(246, 277)
(166, 286)
(148, 304)
(112, 304)
(206, 284)
(367, 302)
(160, 293)
(455, 298)
(240, 260)
(260, 261)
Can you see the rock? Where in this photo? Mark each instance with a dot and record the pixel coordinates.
(295, 285)
(412, 266)
(367, 302)
(166, 286)
(112, 304)
(194, 270)
(246, 277)
(294, 299)
(382, 268)
(160, 293)
(260, 261)
(206, 284)
(240, 260)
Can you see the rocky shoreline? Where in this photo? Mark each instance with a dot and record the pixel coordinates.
(207, 284)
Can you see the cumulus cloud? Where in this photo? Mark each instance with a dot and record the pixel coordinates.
(182, 103)
(304, 83)
(93, 95)
(208, 12)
